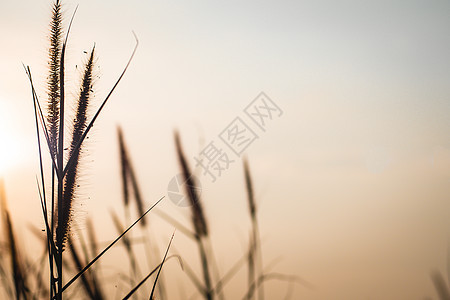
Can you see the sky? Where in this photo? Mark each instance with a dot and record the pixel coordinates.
(351, 180)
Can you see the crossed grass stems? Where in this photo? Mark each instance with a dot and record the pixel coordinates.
(57, 204)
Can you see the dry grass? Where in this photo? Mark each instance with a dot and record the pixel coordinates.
(58, 185)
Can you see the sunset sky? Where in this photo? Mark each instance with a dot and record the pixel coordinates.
(352, 180)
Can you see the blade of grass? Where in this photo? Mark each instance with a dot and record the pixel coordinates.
(231, 272)
(175, 223)
(148, 276)
(191, 274)
(70, 180)
(95, 283)
(70, 161)
(160, 267)
(53, 77)
(108, 247)
(127, 243)
(50, 231)
(50, 241)
(50, 245)
(128, 175)
(41, 115)
(86, 283)
(123, 166)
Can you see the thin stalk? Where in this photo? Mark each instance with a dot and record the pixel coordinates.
(127, 244)
(198, 217)
(87, 283)
(148, 276)
(60, 161)
(160, 267)
(41, 167)
(204, 260)
(108, 247)
(255, 253)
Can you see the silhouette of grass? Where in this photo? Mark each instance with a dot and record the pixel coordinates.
(58, 191)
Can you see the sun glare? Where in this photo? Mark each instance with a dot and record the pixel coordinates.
(9, 146)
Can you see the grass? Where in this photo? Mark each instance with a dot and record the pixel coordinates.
(65, 257)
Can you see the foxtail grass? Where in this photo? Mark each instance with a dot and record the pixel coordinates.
(132, 291)
(198, 217)
(65, 170)
(255, 263)
(129, 177)
(152, 294)
(117, 239)
(54, 88)
(130, 184)
(53, 93)
(123, 168)
(58, 203)
(80, 124)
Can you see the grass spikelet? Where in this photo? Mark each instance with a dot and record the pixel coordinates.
(16, 263)
(150, 274)
(137, 192)
(160, 268)
(53, 77)
(123, 166)
(79, 126)
(251, 262)
(129, 176)
(255, 253)
(71, 281)
(198, 217)
(63, 182)
(249, 187)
